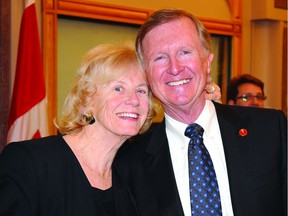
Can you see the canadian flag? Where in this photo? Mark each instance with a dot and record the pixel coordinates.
(28, 113)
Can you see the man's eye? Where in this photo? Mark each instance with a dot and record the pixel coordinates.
(142, 91)
(185, 52)
(159, 58)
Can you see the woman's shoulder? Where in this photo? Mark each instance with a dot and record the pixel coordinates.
(44, 142)
(35, 149)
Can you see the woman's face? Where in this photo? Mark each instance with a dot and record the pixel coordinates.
(121, 106)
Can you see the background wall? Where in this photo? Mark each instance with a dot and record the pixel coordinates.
(199, 8)
(263, 50)
(217, 9)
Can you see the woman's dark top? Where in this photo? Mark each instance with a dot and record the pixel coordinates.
(43, 177)
(106, 199)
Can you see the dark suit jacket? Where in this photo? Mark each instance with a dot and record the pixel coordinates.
(256, 165)
(43, 177)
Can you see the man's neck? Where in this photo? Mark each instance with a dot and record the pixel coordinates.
(185, 114)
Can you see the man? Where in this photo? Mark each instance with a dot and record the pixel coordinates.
(247, 146)
(246, 90)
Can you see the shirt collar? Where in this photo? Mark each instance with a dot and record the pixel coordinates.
(205, 119)
(174, 126)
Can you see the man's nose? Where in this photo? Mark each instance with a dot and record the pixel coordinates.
(175, 66)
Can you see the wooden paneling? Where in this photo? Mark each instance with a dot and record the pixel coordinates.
(282, 4)
(5, 36)
(284, 72)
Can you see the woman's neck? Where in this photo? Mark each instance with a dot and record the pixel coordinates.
(95, 155)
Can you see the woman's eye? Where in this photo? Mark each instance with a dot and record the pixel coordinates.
(118, 89)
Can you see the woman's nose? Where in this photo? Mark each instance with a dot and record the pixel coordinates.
(132, 99)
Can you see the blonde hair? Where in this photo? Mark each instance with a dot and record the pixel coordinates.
(100, 65)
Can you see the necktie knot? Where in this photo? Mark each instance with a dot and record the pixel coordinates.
(194, 130)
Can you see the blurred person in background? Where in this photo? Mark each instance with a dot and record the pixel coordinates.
(246, 90)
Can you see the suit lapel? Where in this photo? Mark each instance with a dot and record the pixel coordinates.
(238, 154)
(159, 174)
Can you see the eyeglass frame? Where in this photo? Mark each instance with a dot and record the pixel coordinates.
(248, 97)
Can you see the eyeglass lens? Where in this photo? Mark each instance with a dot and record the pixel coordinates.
(248, 98)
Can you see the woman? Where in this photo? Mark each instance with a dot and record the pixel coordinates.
(71, 174)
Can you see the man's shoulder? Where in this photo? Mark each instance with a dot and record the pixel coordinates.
(140, 142)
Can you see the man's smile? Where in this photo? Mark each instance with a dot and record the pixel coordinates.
(180, 82)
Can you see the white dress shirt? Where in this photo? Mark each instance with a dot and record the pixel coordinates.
(178, 145)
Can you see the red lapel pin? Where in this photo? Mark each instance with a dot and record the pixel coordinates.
(243, 132)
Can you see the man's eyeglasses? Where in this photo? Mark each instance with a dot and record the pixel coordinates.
(248, 97)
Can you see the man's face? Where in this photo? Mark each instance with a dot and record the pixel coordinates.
(253, 95)
(176, 66)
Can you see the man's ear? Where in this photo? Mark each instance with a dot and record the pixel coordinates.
(231, 102)
(210, 59)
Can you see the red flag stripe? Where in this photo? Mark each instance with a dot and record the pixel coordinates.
(29, 86)
(26, 126)
(28, 115)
